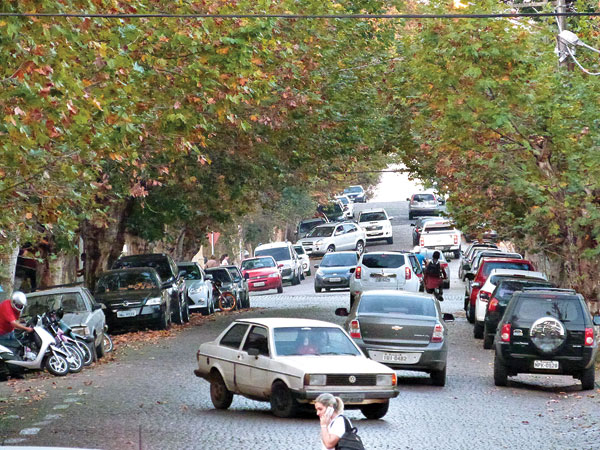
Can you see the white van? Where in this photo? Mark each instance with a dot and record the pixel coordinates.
(287, 259)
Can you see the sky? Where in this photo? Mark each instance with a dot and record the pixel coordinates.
(395, 186)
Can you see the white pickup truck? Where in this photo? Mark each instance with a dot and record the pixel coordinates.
(441, 235)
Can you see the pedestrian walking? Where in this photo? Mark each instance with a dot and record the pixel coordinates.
(330, 409)
(212, 262)
(225, 259)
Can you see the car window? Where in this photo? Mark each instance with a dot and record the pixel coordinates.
(414, 262)
(278, 253)
(190, 272)
(321, 232)
(126, 281)
(433, 227)
(506, 288)
(564, 309)
(353, 190)
(233, 338)
(344, 200)
(234, 273)
(258, 263)
(299, 249)
(372, 216)
(320, 340)
(221, 275)
(349, 228)
(415, 306)
(489, 266)
(339, 260)
(307, 226)
(70, 302)
(383, 261)
(258, 338)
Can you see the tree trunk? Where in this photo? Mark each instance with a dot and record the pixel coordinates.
(9, 252)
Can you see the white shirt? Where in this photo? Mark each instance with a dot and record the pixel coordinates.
(337, 427)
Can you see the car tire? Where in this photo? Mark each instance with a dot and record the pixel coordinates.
(375, 411)
(186, 312)
(352, 300)
(309, 273)
(164, 322)
(500, 372)
(317, 289)
(205, 311)
(390, 240)
(488, 339)
(177, 316)
(295, 280)
(280, 289)
(456, 254)
(100, 351)
(302, 275)
(410, 216)
(588, 379)
(471, 313)
(438, 377)
(331, 249)
(360, 247)
(282, 401)
(220, 396)
(478, 330)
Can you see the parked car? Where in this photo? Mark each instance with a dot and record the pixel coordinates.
(334, 237)
(286, 257)
(347, 206)
(356, 193)
(548, 331)
(82, 313)
(240, 286)
(304, 258)
(199, 290)
(476, 280)
(499, 300)
(383, 270)
(290, 362)
(262, 274)
(334, 270)
(304, 226)
(467, 254)
(488, 287)
(441, 235)
(222, 277)
(417, 227)
(403, 330)
(169, 276)
(133, 298)
(377, 224)
(427, 254)
(333, 211)
(423, 204)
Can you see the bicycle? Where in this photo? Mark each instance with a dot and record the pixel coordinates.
(227, 301)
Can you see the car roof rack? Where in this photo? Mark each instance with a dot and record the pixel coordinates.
(566, 291)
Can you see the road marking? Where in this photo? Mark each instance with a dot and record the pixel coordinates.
(14, 440)
(14, 416)
(29, 431)
(52, 416)
(61, 407)
(43, 423)
(71, 400)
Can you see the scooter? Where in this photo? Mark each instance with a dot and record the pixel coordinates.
(40, 351)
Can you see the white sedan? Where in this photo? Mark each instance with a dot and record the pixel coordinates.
(290, 362)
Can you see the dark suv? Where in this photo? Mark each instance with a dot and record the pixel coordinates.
(169, 276)
(548, 331)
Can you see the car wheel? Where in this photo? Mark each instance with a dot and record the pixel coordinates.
(220, 396)
(186, 312)
(295, 279)
(360, 247)
(317, 289)
(456, 254)
(478, 330)
(438, 377)
(331, 249)
(280, 289)
(302, 275)
(471, 314)
(587, 379)
(177, 316)
(500, 372)
(164, 323)
(410, 216)
(488, 339)
(308, 274)
(100, 349)
(282, 402)
(352, 300)
(375, 411)
(390, 240)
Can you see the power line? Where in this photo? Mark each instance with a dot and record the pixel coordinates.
(301, 16)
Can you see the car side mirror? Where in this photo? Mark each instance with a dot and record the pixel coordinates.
(246, 276)
(484, 295)
(447, 317)
(390, 218)
(316, 266)
(342, 312)
(597, 321)
(253, 351)
(209, 277)
(352, 270)
(408, 199)
(470, 276)
(96, 306)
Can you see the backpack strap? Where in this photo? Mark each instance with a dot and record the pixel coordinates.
(347, 424)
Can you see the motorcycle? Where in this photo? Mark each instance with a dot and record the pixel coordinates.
(64, 332)
(75, 358)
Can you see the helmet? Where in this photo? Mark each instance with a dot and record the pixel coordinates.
(18, 300)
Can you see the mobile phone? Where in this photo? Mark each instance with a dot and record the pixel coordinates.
(329, 412)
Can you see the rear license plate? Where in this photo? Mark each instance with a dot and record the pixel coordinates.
(439, 248)
(403, 358)
(540, 364)
(334, 279)
(259, 283)
(352, 398)
(382, 280)
(129, 313)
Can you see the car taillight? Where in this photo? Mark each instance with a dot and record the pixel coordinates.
(438, 333)
(407, 273)
(422, 242)
(357, 272)
(493, 306)
(355, 329)
(589, 337)
(455, 239)
(505, 333)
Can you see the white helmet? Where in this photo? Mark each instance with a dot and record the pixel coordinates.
(18, 300)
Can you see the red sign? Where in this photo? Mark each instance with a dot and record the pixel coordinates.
(213, 237)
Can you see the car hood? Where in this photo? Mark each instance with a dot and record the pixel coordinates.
(335, 270)
(130, 296)
(260, 272)
(339, 364)
(74, 319)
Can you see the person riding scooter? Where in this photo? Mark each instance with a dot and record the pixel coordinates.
(10, 312)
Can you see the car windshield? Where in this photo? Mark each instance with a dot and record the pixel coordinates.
(372, 216)
(307, 226)
(291, 341)
(321, 232)
(190, 272)
(489, 266)
(339, 260)
(221, 275)
(126, 281)
(344, 200)
(71, 302)
(299, 249)
(423, 198)
(563, 309)
(383, 261)
(353, 190)
(278, 253)
(161, 266)
(258, 263)
(506, 288)
(331, 209)
(405, 306)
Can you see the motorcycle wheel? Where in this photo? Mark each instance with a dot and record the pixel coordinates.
(108, 343)
(57, 365)
(75, 359)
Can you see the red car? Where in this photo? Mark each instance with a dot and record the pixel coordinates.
(262, 274)
(479, 279)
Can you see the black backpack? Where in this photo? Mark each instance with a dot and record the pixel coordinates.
(433, 269)
(350, 439)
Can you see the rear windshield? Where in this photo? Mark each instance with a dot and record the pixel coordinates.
(71, 302)
(423, 197)
(321, 232)
(372, 216)
(278, 253)
(339, 260)
(563, 309)
(258, 263)
(506, 288)
(489, 266)
(396, 306)
(162, 266)
(383, 261)
(428, 228)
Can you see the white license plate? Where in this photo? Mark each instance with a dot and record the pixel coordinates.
(334, 280)
(259, 283)
(382, 280)
(440, 248)
(402, 358)
(129, 313)
(540, 364)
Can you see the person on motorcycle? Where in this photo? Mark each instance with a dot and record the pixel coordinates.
(10, 312)
(434, 277)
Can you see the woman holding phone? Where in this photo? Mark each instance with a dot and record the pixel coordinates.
(330, 409)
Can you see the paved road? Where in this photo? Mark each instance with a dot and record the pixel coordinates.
(150, 399)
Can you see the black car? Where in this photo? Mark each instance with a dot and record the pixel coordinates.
(169, 275)
(240, 286)
(548, 331)
(223, 278)
(134, 297)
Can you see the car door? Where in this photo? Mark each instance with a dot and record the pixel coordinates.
(338, 238)
(350, 236)
(252, 371)
(229, 353)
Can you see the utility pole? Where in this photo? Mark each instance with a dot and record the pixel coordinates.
(563, 53)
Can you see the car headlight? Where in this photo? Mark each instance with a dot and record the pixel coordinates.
(153, 301)
(273, 275)
(386, 380)
(83, 331)
(195, 291)
(319, 242)
(318, 273)
(315, 380)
